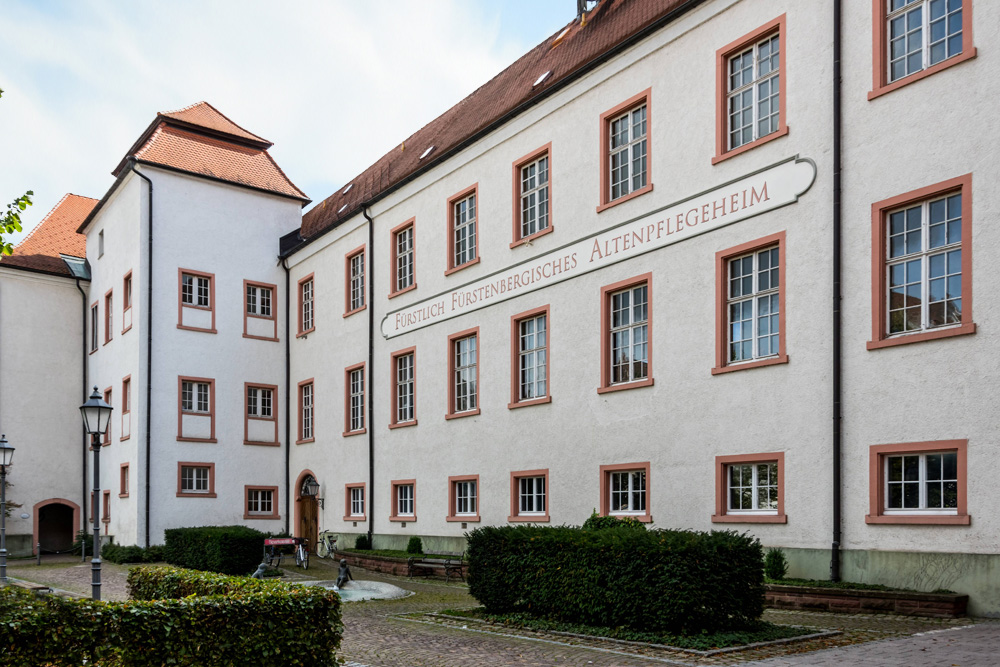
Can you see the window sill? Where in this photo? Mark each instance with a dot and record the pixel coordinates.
(625, 385)
(749, 518)
(355, 311)
(269, 517)
(462, 266)
(182, 494)
(925, 519)
(92, 351)
(274, 339)
(459, 415)
(128, 328)
(123, 495)
(541, 518)
(303, 334)
(393, 295)
(529, 402)
(348, 434)
(185, 328)
(183, 439)
(106, 341)
(641, 518)
(403, 424)
(356, 518)
(782, 131)
(895, 85)
(403, 519)
(305, 441)
(124, 438)
(262, 444)
(472, 518)
(632, 195)
(528, 239)
(780, 359)
(906, 339)
(271, 318)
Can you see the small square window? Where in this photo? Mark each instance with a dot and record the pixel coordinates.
(404, 500)
(463, 498)
(625, 491)
(529, 491)
(919, 483)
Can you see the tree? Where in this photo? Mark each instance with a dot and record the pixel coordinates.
(10, 220)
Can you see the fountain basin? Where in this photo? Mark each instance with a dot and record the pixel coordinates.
(355, 591)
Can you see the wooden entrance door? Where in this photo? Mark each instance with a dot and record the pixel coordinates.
(308, 522)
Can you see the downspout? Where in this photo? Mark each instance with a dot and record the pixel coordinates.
(371, 370)
(83, 479)
(837, 371)
(288, 399)
(149, 340)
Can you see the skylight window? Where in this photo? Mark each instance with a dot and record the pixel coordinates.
(347, 189)
(426, 153)
(540, 79)
(341, 209)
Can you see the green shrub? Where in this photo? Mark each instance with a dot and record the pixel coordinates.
(223, 549)
(775, 564)
(652, 580)
(225, 621)
(598, 522)
(363, 542)
(131, 554)
(415, 546)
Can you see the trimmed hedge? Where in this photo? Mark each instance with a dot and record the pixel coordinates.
(650, 580)
(222, 549)
(116, 553)
(220, 621)
(597, 522)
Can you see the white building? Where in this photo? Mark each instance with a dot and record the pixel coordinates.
(551, 300)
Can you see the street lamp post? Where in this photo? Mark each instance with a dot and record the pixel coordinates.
(6, 456)
(96, 417)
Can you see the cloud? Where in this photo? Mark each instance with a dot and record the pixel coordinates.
(334, 84)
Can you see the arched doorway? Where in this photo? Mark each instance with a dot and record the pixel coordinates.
(306, 510)
(56, 521)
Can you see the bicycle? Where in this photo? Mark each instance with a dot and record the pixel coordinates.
(302, 554)
(327, 544)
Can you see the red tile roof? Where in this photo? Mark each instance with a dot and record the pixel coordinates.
(200, 140)
(608, 27)
(56, 234)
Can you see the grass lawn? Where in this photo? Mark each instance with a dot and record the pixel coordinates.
(761, 632)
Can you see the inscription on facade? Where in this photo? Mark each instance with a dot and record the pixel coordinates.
(774, 187)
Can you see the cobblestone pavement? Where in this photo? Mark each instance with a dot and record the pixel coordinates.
(393, 633)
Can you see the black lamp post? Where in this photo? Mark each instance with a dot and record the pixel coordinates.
(96, 417)
(6, 456)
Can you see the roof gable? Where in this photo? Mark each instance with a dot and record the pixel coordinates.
(55, 235)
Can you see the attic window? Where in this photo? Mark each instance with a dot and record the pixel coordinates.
(347, 189)
(341, 209)
(426, 153)
(540, 79)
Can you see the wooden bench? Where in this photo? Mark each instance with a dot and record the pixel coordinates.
(425, 567)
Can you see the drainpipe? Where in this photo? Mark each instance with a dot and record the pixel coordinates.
(371, 370)
(288, 399)
(149, 340)
(83, 449)
(837, 371)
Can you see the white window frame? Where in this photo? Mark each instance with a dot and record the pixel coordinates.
(95, 327)
(196, 397)
(356, 403)
(261, 499)
(466, 497)
(532, 366)
(924, 255)
(765, 72)
(465, 380)
(196, 479)
(922, 483)
(196, 290)
(307, 411)
(357, 281)
(260, 403)
(624, 373)
(925, 46)
(258, 300)
(357, 501)
(755, 486)
(765, 284)
(531, 492)
(405, 388)
(463, 236)
(404, 500)
(306, 296)
(628, 136)
(534, 197)
(403, 243)
(629, 491)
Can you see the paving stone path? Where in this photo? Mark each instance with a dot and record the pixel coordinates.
(394, 633)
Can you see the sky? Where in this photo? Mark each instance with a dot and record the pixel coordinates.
(334, 84)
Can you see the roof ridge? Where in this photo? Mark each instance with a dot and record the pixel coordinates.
(168, 115)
